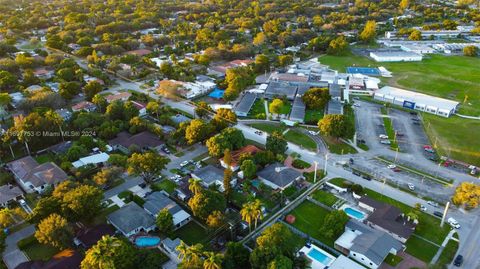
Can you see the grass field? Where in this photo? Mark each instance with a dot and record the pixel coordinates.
(192, 233)
(286, 108)
(300, 139)
(421, 249)
(451, 77)
(268, 127)
(448, 254)
(337, 146)
(36, 251)
(324, 197)
(165, 185)
(462, 143)
(313, 116)
(309, 218)
(258, 109)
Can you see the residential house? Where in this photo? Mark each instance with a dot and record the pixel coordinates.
(64, 113)
(139, 52)
(157, 201)
(171, 246)
(95, 159)
(131, 219)
(278, 176)
(17, 98)
(66, 259)
(89, 236)
(122, 96)
(9, 193)
(84, 106)
(387, 218)
(60, 148)
(33, 88)
(142, 108)
(366, 245)
(211, 175)
(179, 118)
(35, 177)
(144, 141)
(43, 73)
(235, 165)
(246, 103)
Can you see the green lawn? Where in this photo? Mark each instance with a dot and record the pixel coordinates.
(313, 116)
(324, 197)
(341, 182)
(165, 185)
(309, 218)
(191, 233)
(448, 254)
(258, 109)
(393, 260)
(102, 216)
(36, 251)
(311, 175)
(300, 139)
(461, 144)
(387, 122)
(428, 226)
(421, 249)
(337, 146)
(44, 158)
(269, 127)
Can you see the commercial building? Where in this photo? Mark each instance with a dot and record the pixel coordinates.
(395, 56)
(418, 49)
(419, 101)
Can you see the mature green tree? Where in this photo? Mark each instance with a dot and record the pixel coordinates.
(194, 185)
(54, 231)
(100, 102)
(107, 175)
(276, 106)
(236, 256)
(262, 63)
(471, 51)
(203, 109)
(223, 117)
(316, 98)
(215, 220)
(249, 169)
(91, 89)
(110, 252)
(276, 143)
(415, 35)
(227, 182)
(165, 222)
(148, 165)
(369, 32)
(229, 138)
(7, 81)
(206, 201)
(212, 260)
(44, 208)
(334, 224)
(404, 4)
(273, 242)
(197, 131)
(284, 60)
(191, 256)
(333, 125)
(338, 46)
(5, 99)
(259, 39)
(281, 262)
(82, 203)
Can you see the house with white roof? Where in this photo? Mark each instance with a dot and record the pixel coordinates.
(94, 159)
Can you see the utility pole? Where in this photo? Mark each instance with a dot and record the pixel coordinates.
(315, 174)
(326, 162)
(444, 214)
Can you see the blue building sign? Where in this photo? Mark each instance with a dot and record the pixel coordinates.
(408, 104)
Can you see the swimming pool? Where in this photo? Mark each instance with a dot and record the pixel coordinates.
(217, 93)
(353, 213)
(147, 241)
(319, 256)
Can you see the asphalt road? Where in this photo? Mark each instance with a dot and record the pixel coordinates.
(12, 256)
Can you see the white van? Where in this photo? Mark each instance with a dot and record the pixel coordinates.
(454, 223)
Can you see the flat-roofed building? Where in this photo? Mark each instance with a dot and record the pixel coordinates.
(415, 100)
(395, 56)
(245, 104)
(298, 110)
(280, 89)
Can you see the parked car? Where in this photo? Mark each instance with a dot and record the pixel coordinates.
(432, 203)
(22, 202)
(396, 169)
(423, 208)
(391, 166)
(411, 186)
(415, 119)
(397, 133)
(258, 132)
(416, 123)
(367, 177)
(413, 113)
(166, 150)
(351, 161)
(438, 214)
(356, 105)
(383, 136)
(313, 132)
(184, 163)
(458, 261)
(385, 142)
(454, 223)
(356, 173)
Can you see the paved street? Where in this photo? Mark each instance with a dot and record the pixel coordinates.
(189, 155)
(129, 182)
(12, 256)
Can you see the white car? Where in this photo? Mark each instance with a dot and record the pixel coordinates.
(423, 208)
(432, 203)
(382, 136)
(356, 105)
(184, 163)
(411, 186)
(313, 132)
(391, 166)
(454, 223)
(22, 202)
(385, 142)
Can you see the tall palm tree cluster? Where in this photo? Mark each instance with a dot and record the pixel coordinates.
(252, 212)
(194, 256)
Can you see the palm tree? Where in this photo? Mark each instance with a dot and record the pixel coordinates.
(247, 214)
(20, 126)
(7, 139)
(56, 119)
(212, 261)
(100, 255)
(257, 211)
(194, 185)
(183, 251)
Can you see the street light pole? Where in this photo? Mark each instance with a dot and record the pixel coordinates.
(444, 214)
(326, 162)
(315, 174)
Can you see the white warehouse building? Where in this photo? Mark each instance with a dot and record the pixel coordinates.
(419, 101)
(395, 56)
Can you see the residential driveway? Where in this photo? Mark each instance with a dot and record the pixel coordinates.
(129, 183)
(12, 256)
(189, 155)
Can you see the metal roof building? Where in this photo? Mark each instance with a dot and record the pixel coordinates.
(279, 89)
(415, 100)
(298, 110)
(244, 106)
(395, 56)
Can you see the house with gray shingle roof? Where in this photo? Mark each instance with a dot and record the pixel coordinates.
(366, 245)
(211, 175)
(278, 176)
(157, 201)
(131, 219)
(9, 193)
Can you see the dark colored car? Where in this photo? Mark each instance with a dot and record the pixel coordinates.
(351, 161)
(458, 260)
(438, 214)
(356, 173)
(413, 113)
(367, 177)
